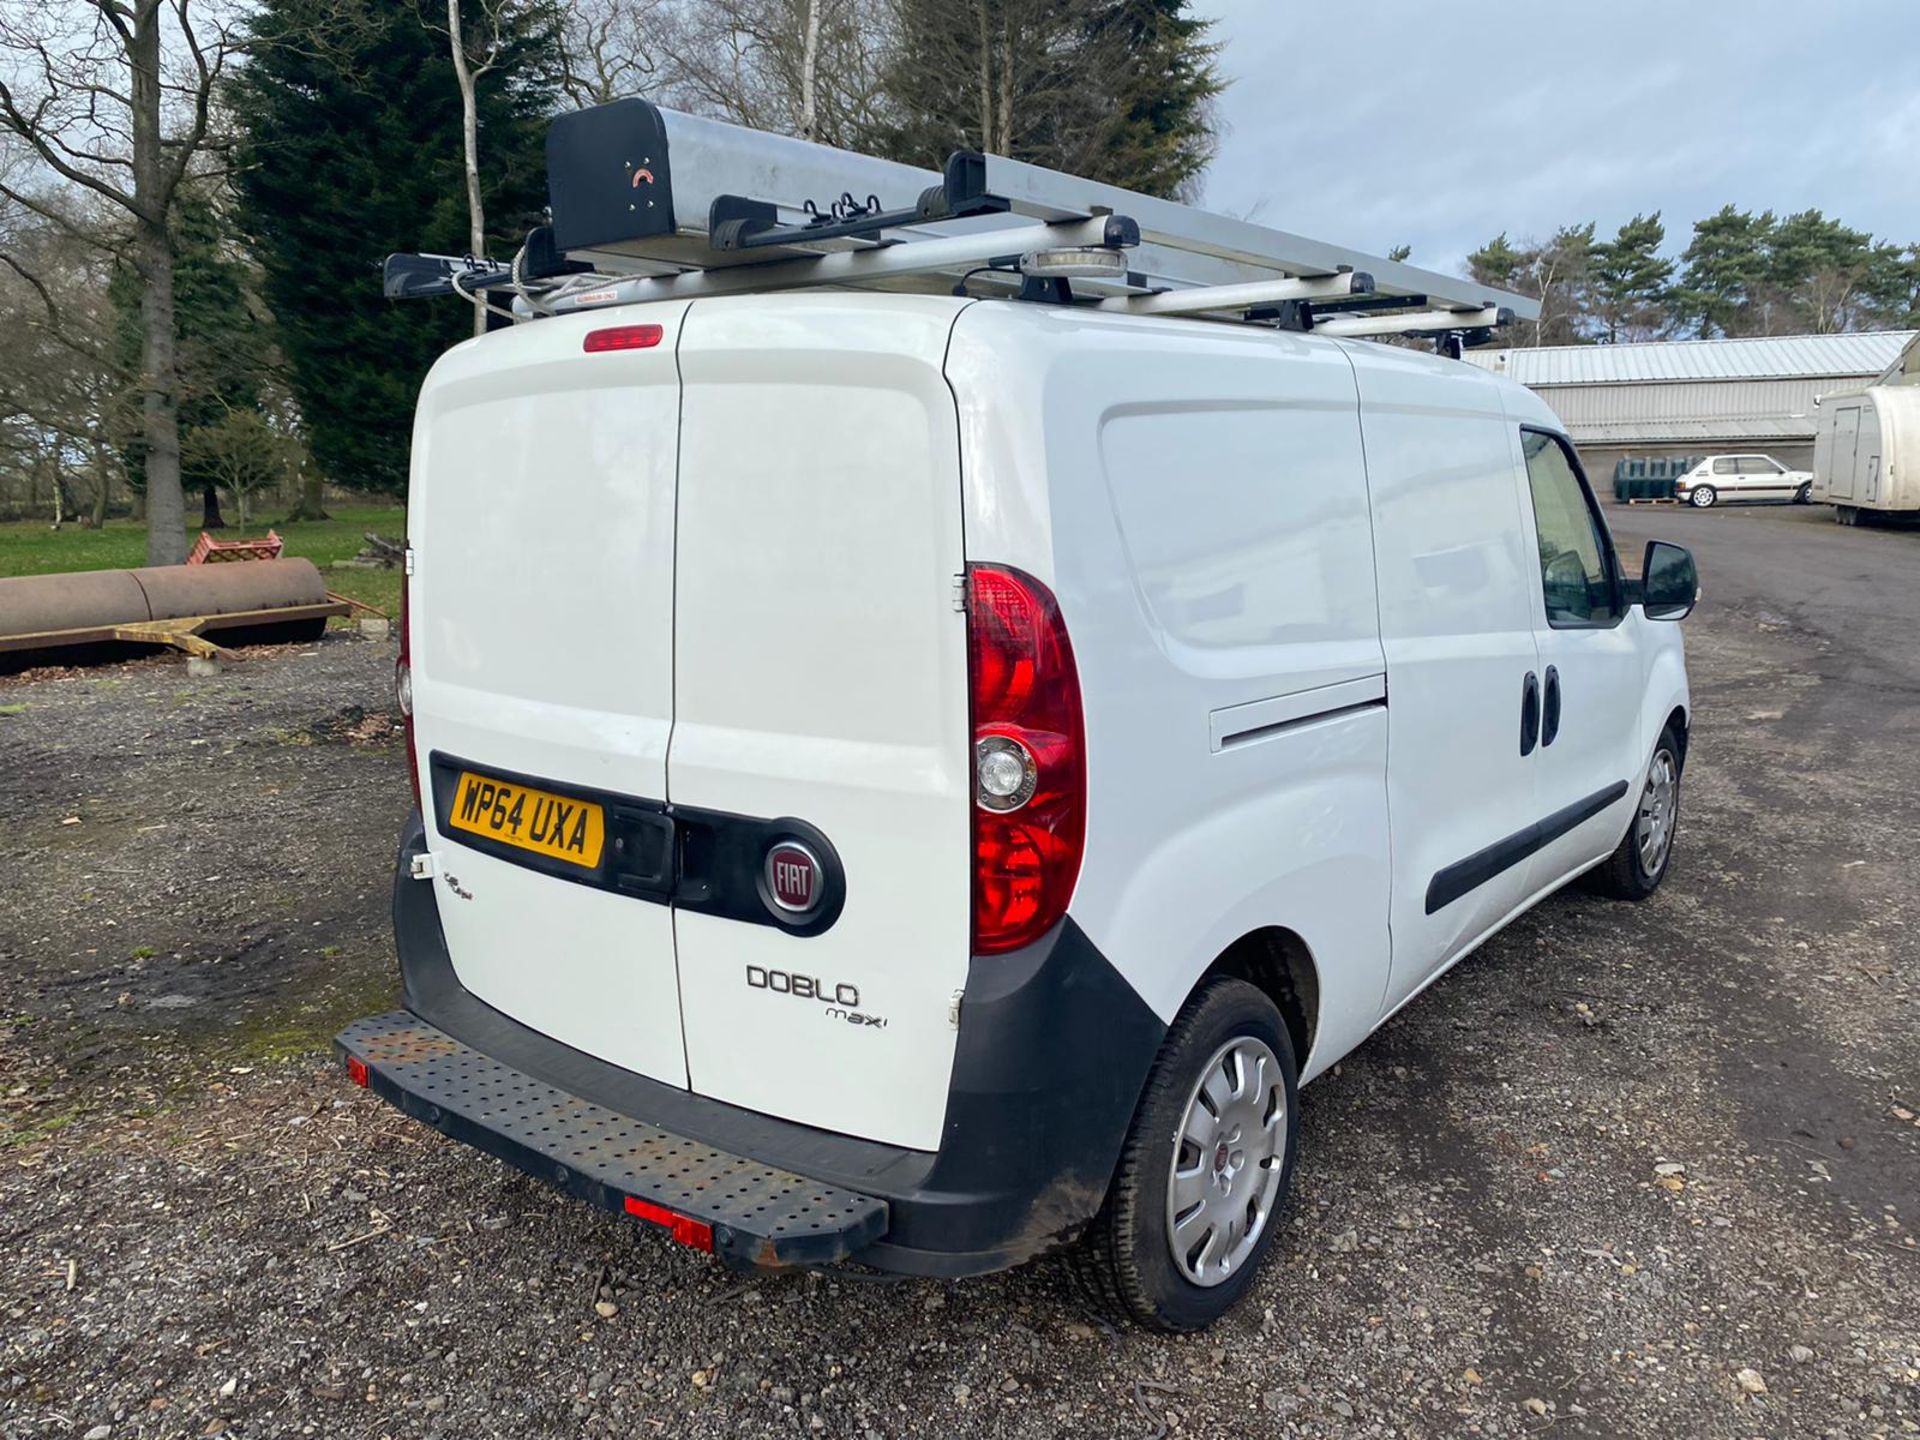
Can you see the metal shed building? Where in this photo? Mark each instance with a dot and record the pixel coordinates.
(1695, 397)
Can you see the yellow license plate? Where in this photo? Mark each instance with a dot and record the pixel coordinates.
(528, 819)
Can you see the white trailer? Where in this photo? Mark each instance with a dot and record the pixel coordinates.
(1866, 451)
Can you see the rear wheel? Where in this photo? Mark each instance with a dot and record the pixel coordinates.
(1703, 496)
(1205, 1169)
(1804, 494)
(1636, 868)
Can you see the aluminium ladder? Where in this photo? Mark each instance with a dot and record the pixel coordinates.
(651, 203)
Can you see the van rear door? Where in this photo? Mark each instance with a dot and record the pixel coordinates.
(541, 510)
(820, 766)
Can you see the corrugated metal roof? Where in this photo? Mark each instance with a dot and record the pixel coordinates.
(1773, 357)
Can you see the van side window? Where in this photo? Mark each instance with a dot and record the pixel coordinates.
(1576, 569)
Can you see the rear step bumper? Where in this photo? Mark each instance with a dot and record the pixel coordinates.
(748, 1214)
(1053, 1051)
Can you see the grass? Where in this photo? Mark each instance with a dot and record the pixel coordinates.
(33, 548)
(46, 1129)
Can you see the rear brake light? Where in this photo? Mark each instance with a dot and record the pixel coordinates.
(687, 1230)
(1030, 780)
(403, 677)
(622, 337)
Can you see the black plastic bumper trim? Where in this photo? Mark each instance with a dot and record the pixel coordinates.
(1465, 876)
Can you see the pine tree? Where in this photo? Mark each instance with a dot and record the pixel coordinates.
(1558, 274)
(1164, 138)
(1630, 280)
(352, 150)
(1722, 288)
(1117, 90)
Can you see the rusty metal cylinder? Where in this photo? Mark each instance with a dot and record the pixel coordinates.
(32, 604)
(174, 591)
(87, 599)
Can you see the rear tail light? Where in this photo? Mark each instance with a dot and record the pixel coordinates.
(1029, 744)
(403, 676)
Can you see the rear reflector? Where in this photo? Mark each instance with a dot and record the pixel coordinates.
(356, 1070)
(688, 1231)
(623, 337)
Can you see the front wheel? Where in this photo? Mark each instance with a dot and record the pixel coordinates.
(1804, 494)
(1638, 865)
(1703, 496)
(1205, 1168)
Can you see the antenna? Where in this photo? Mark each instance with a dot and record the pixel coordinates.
(650, 203)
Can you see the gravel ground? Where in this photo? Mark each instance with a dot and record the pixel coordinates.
(1630, 1171)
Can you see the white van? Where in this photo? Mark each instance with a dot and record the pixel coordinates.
(920, 781)
(1866, 452)
(943, 771)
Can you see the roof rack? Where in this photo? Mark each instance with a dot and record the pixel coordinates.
(650, 203)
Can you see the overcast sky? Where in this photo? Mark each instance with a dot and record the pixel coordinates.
(1371, 123)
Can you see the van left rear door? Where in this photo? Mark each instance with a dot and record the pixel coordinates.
(541, 516)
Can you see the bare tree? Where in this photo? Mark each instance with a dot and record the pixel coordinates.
(611, 49)
(116, 98)
(1025, 78)
(473, 59)
(65, 394)
(811, 68)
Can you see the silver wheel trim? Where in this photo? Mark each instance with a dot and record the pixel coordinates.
(1704, 496)
(1659, 804)
(1227, 1159)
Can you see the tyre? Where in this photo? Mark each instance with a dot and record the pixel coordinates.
(1193, 1207)
(1636, 868)
(1804, 495)
(1703, 496)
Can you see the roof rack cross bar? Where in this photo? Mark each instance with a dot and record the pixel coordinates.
(878, 263)
(1360, 303)
(1201, 299)
(1419, 322)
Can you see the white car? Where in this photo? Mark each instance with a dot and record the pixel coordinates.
(1742, 477)
(921, 780)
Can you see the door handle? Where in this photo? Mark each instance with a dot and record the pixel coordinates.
(1529, 713)
(1550, 709)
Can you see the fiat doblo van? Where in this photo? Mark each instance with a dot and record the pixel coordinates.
(920, 782)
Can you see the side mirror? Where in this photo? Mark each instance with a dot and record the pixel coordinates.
(1669, 583)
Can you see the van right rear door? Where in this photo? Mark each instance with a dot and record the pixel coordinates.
(820, 771)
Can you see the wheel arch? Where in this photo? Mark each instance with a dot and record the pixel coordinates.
(1278, 963)
(1677, 721)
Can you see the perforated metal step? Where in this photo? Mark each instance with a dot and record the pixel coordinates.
(749, 1214)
